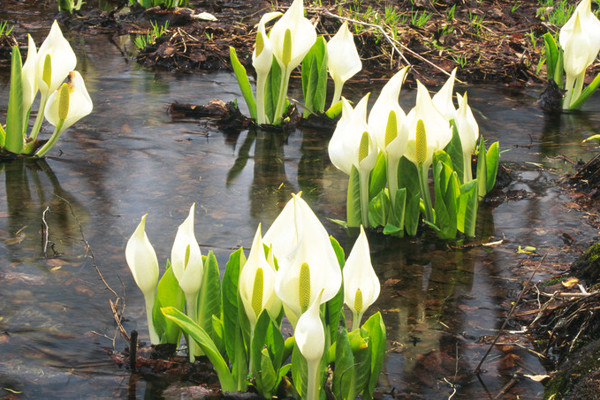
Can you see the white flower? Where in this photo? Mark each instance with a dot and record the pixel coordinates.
(257, 283)
(55, 60)
(361, 285)
(77, 105)
(307, 261)
(142, 261)
(468, 130)
(343, 61)
(186, 257)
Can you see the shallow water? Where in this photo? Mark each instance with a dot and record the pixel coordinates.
(129, 158)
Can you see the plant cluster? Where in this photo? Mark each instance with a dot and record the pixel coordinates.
(388, 158)
(143, 41)
(154, 3)
(296, 269)
(69, 5)
(577, 48)
(293, 41)
(61, 103)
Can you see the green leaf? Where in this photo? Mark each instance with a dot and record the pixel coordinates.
(168, 294)
(229, 300)
(243, 82)
(378, 176)
(299, 372)
(551, 54)
(353, 213)
(492, 159)
(334, 110)
(14, 117)
(343, 376)
(447, 192)
(396, 218)
(467, 208)
(408, 178)
(2, 136)
(586, 93)
(226, 380)
(209, 300)
(272, 89)
(455, 152)
(481, 169)
(380, 208)
(314, 77)
(267, 379)
(374, 329)
(334, 315)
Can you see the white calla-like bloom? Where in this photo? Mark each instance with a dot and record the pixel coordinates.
(468, 131)
(257, 283)
(291, 39)
(443, 98)
(79, 102)
(310, 339)
(361, 285)
(343, 61)
(142, 261)
(302, 35)
(262, 59)
(186, 257)
(307, 261)
(388, 125)
(437, 129)
(62, 60)
(28, 76)
(580, 40)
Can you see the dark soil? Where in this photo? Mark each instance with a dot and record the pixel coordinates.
(492, 41)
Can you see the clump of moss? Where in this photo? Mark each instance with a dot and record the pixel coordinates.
(587, 266)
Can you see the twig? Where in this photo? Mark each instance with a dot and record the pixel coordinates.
(89, 251)
(478, 369)
(45, 233)
(510, 384)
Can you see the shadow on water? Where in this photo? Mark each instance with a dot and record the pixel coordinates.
(442, 302)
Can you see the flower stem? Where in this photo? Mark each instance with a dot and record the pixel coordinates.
(261, 81)
(392, 177)
(39, 118)
(52, 141)
(467, 169)
(423, 183)
(337, 92)
(312, 387)
(154, 339)
(356, 318)
(283, 88)
(364, 198)
(192, 312)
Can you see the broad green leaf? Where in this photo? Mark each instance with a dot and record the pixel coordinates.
(467, 208)
(455, 152)
(343, 376)
(226, 380)
(239, 365)
(378, 176)
(258, 340)
(559, 70)
(374, 329)
(353, 213)
(446, 195)
(586, 93)
(2, 136)
(380, 208)
(397, 215)
(230, 300)
(481, 169)
(266, 378)
(14, 117)
(492, 159)
(243, 82)
(551, 55)
(209, 300)
(168, 294)
(272, 89)
(408, 177)
(299, 372)
(314, 77)
(334, 315)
